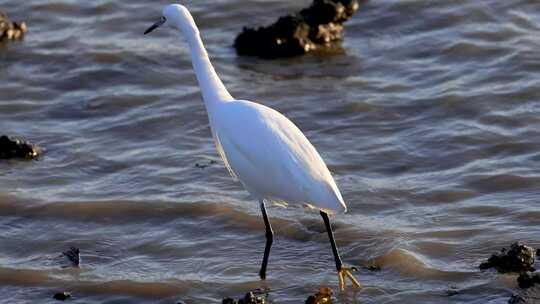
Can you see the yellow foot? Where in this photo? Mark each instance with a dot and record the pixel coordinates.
(347, 273)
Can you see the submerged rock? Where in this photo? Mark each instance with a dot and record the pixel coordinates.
(373, 267)
(62, 296)
(519, 258)
(528, 279)
(452, 291)
(323, 296)
(73, 255)
(17, 148)
(204, 165)
(297, 34)
(516, 299)
(10, 30)
(249, 298)
(527, 296)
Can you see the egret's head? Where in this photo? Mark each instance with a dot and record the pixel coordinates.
(175, 15)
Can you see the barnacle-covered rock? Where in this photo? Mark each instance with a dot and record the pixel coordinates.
(519, 258)
(17, 148)
(323, 296)
(297, 34)
(10, 30)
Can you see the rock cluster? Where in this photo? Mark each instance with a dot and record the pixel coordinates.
(323, 296)
(519, 258)
(249, 298)
(17, 148)
(297, 34)
(10, 30)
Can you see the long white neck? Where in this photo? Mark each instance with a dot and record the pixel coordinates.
(212, 89)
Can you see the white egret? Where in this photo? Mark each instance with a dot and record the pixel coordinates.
(259, 146)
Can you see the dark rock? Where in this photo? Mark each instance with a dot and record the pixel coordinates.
(287, 37)
(228, 301)
(518, 259)
(528, 279)
(373, 267)
(323, 296)
(326, 33)
(538, 253)
(452, 291)
(327, 11)
(62, 296)
(203, 165)
(17, 148)
(249, 298)
(516, 299)
(73, 255)
(10, 30)
(297, 34)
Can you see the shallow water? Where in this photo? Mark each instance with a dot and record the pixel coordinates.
(428, 116)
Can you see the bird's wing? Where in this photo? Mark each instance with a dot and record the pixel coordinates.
(272, 157)
(221, 153)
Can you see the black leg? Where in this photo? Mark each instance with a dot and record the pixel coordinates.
(269, 240)
(337, 258)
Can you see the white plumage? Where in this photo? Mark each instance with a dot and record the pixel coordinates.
(262, 148)
(271, 157)
(259, 146)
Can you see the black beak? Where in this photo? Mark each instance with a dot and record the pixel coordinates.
(155, 25)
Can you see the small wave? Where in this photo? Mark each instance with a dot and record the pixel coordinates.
(125, 212)
(120, 210)
(501, 182)
(35, 277)
(455, 233)
(447, 196)
(63, 280)
(412, 264)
